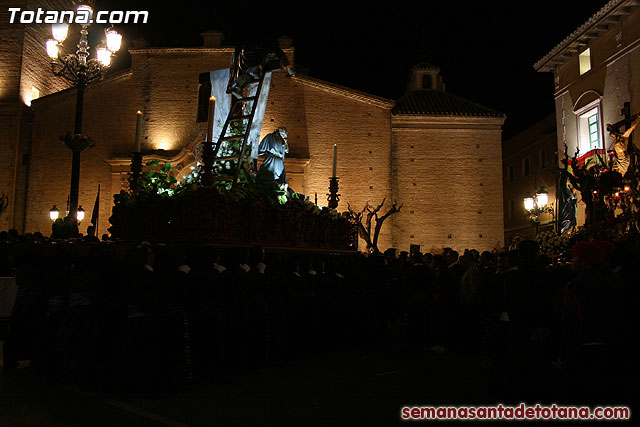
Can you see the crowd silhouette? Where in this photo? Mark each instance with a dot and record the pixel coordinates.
(150, 318)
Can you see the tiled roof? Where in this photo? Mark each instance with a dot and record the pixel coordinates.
(438, 103)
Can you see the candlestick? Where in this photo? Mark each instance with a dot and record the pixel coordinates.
(332, 196)
(212, 108)
(138, 131)
(335, 159)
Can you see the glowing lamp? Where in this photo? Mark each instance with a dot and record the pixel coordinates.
(114, 40)
(80, 214)
(529, 202)
(59, 31)
(104, 56)
(85, 7)
(53, 213)
(52, 48)
(542, 197)
(627, 188)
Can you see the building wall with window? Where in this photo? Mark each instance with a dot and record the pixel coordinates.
(596, 72)
(537, 148)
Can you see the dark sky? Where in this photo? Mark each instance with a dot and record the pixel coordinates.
(486, 50)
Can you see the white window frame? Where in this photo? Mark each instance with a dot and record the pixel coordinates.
(586, 129)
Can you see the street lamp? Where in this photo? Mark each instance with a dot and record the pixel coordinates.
(535, 206)
(53, 213)
(81, 71)
(80, 214)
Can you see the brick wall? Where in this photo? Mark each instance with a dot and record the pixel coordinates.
(361, 129)
(163, 83)
(23, 65)
(447, 174)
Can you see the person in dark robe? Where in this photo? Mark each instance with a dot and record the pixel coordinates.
(568, 206)
(254, 56)
(274, 147)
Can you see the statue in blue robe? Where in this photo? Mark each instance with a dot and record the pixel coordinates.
(274, 147)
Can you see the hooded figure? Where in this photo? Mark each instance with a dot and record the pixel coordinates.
(274, 147)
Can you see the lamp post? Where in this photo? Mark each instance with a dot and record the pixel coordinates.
(53, 213)
(537, 205)
(81, 71)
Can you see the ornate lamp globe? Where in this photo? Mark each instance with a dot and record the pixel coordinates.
(53, 213)
(52, 48)
(104, 56)
(85, 7)
(80, 213)
(542, 197)
(529, 203)
(114, 39)
(60, 31)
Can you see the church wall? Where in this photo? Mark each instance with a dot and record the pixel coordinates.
(165, 87)
(24, 64)
(449, 179)
(362, 132)
(163, 83)
(12, 36)
(36, 64)
(108, 121)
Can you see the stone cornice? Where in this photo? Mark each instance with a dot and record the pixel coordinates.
(597, 24)
(56, 96)
(174, 50)
(124, 160)
(346, 92)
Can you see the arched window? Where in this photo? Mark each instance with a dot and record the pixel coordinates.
(589, 116)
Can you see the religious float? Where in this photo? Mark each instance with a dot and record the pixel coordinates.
(227, 199)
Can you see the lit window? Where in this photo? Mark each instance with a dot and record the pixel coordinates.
(589, 133)
(585, 61)
(526, 166)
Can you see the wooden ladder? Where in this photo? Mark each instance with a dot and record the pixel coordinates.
(237, 114)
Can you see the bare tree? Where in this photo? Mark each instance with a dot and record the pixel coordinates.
(364, 222)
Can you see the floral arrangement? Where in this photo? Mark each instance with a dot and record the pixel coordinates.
(76, 142)
(164, 209)
(551, 244)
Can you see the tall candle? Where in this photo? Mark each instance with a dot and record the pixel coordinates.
(212, 108)
(138, 131)
(335, 159)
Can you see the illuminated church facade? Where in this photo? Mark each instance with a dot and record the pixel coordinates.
(436, 153)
